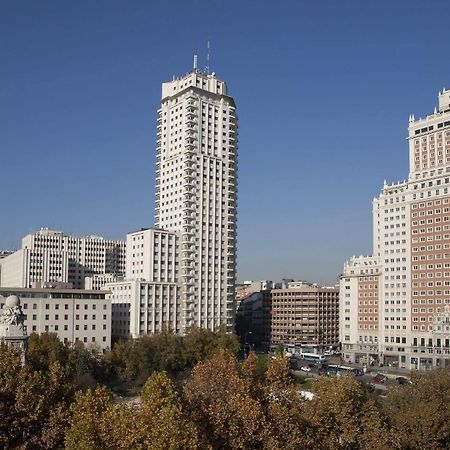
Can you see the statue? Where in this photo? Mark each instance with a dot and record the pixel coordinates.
(12, 328)
(12, 312)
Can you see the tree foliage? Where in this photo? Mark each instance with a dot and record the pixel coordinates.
(55, 400)
(33, 404)
(343, 415)
(160, 422)
(167, 424)
(164, 351)
(222, 406)
(420, 412)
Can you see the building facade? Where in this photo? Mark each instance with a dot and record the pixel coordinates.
(393, 302)
(305, 315)
(51, 256)
(253, 319)
(148, 300)
(196, 193)
(73, 314)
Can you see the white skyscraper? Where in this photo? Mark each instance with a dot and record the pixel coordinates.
(182, 272)
(196, 184)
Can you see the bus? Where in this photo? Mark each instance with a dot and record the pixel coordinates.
(334, 369)
(313, 357)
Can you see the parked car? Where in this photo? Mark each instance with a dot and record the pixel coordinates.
(403, 380)
(379, 379)
(305, 369)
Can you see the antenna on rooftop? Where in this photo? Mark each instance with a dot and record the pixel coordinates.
(208, 47)
(195, 62)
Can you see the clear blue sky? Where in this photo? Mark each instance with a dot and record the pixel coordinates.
(324, 90)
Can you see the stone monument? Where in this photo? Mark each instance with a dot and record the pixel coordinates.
(12, 328)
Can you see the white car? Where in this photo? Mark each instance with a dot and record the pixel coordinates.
(305, 369)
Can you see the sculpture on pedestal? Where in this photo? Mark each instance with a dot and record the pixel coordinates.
(12, 328)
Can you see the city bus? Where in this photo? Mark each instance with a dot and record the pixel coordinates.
(334, 369)
(313, 357)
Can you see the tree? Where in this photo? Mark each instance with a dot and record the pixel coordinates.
(168, 351)
(46, 348)
(221, 404)
(285, 423)
(343, 415)
(124, 359)
(123, 427)
(33, 404)
(166, 423)
(87, 430)
(278, 377)
(227, 341)
(420, 412)
(199, 343)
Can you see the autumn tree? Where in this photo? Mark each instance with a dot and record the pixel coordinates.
(343, 415)
(285, 425)
(221, 404)
(124, 359)
(252, 373)
(166, 422)
(87, 430)
(33, 404)
(227, 341)
(420, 412)
(122, 427)
(279, 379)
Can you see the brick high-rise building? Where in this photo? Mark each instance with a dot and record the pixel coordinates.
(395, 305)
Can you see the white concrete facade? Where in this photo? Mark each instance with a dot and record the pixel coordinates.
(141, 307)
(149, 298)
(51, 256)
(152, 255)
(196, 193)
(73, 314)
(182, 272)
(411, 248)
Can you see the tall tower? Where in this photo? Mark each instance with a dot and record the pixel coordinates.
(196, 193)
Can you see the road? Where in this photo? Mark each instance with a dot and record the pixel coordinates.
(368, 377)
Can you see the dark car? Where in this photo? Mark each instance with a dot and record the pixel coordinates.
(293, 364)
(402, 380)
(379, 379)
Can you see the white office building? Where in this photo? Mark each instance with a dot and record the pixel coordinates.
(149, 298)
(51, 256)
(75, 315)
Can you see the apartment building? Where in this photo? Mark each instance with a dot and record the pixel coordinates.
(51, 256)
(182, 272)
(394, 303)
(73, 314)
(196, 193)
(305, 314)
